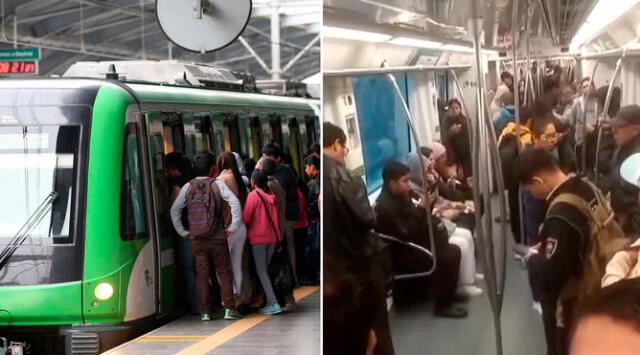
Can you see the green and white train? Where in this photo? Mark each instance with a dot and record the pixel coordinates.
(99, 267)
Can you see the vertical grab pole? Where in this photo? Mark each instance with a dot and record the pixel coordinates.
(481, 181)
(583, 153)
(605, 112)
(409, 120)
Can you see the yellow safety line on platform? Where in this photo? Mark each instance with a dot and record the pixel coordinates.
(238, 327)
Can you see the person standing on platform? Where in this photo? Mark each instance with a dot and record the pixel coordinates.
(208, 233)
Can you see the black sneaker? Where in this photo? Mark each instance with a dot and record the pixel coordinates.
(453, 311)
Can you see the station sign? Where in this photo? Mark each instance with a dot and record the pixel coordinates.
(19, 61)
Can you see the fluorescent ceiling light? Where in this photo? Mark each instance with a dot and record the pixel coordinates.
(346, 33)
(602, 15)
(457, 48)
(413, 42)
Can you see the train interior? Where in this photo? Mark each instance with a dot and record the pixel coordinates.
(389, 69)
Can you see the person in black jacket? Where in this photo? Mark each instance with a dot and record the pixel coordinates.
(565, 239)
(399, 217)
(354, 295)
(287, 178)
(626, 133)
(312, 169)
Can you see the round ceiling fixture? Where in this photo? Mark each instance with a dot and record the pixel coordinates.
(203, 25)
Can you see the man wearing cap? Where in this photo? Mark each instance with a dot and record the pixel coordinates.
(624, 196)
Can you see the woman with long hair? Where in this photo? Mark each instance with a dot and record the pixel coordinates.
(230, 175)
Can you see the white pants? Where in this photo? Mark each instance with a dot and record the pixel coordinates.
(236, 243)
(464, 240)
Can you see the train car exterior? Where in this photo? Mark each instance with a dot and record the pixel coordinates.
(102, 270)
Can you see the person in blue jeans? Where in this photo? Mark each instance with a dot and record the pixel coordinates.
(312, 169)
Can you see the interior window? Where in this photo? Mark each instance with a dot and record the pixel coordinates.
(132, 206)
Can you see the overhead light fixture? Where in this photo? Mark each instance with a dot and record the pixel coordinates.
(347, 33)
(457, 48)
(414, 42)
(601, 16)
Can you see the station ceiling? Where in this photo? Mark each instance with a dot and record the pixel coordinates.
(93, 30)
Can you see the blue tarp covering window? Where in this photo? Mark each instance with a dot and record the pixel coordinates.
(383, 127)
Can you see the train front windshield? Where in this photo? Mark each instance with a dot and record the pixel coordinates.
(37, 160)
(43, 149)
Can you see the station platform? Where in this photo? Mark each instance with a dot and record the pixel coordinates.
(294, 332)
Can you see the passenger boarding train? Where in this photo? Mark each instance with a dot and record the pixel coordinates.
(83, 160)
(401, 62)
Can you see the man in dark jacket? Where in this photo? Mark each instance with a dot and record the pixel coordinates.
(354, 297)
(312, 169)
(287, 178)
(398, 217)
(626, 133)
(565, 239)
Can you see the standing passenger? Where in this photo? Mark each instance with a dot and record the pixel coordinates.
(230, 175)
(312, 169)
(261, 216)
(287, 178)
(354, 294)
(567, 241)
(207, 231)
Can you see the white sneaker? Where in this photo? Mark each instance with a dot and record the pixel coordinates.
(479, 277)
(470, 290)
(537, 307)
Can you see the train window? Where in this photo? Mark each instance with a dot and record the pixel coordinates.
(276, 129)
(173, 132)
(311, 130)
(257, 139)
(202, 126)
(295, 147)
(132, 206)
(231, 134)
(36, 160)
(383, 128)
(217, 131)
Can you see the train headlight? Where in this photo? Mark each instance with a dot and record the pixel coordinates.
(103, 291)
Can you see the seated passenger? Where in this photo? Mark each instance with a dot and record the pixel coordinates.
(208, 232)
(609, 321)
(399, 217)
(626, 263)
(450, 211)
(457, 136)
(563, 259)
(452, 183)
(261, 216)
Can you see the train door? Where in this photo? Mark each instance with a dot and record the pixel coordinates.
(137, 226)
(163, 138)
(257, 138)
(217, 133)
(231, 133)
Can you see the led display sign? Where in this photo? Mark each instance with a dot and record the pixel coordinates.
(18, 67)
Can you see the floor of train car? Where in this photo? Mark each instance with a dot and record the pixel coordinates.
(417, 331)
